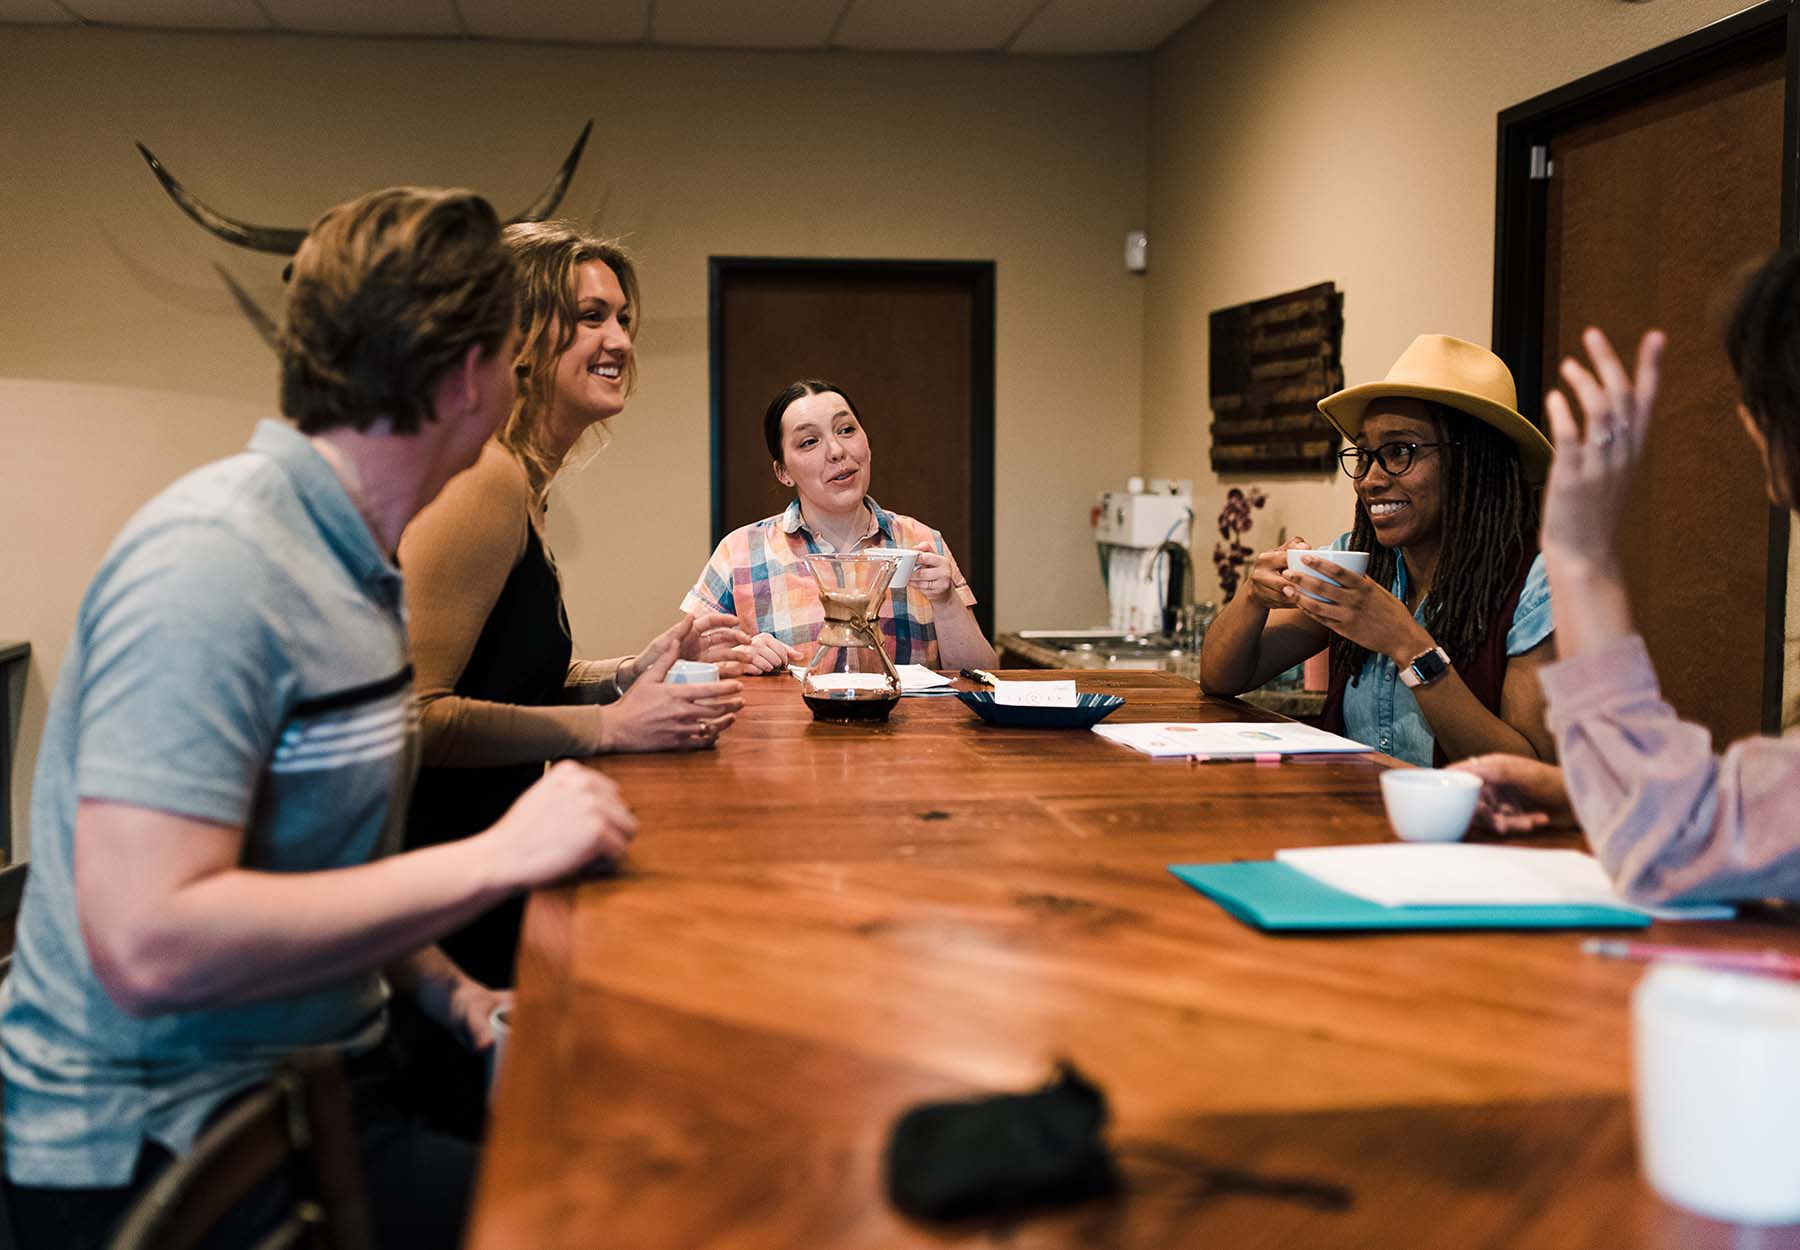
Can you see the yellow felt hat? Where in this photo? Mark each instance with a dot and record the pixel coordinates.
(1459, 375)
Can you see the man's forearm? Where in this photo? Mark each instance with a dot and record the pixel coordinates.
(239, 936)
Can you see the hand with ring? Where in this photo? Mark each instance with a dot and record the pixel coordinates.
(1594, 464)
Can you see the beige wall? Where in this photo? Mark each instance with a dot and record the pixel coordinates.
(123, 361)
(1351, 141)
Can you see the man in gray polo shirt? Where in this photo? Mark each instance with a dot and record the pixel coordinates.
(225, 767)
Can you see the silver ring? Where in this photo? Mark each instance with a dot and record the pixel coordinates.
(1607, 437)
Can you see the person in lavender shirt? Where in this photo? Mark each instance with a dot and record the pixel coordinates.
(1668, 818)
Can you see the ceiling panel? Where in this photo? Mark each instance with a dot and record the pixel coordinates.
(745, 23)
(1068, 27)
(203, 14)
(559, 21)
(1075, 26)
(357, 17)
(34, 11)
(932, 25)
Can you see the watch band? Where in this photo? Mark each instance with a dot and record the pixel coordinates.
(1425, 668)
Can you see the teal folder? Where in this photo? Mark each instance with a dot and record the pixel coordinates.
(1280, 899)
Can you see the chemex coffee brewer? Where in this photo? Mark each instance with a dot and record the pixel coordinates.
(851, 677)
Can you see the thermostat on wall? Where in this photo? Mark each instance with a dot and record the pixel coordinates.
(1136, 244)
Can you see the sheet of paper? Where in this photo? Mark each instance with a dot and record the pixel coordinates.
(1411, 874)
(1036, 693)
(1227, 739)
(916, 677)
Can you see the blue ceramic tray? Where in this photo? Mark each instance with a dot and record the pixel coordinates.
(1090, 710)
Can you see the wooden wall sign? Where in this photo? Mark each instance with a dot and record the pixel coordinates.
(1271, 363)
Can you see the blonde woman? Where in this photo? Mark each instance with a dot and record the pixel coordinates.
(499, 691)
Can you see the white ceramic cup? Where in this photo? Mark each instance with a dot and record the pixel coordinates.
(500, 1021)
(691, 673)
(1355, 561)
(1717, 1091)
(1429, 804)
(904, 558)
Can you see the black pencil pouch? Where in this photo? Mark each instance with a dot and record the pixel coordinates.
(956, 1159)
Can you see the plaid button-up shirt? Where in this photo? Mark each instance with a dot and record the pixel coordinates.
(759, 575)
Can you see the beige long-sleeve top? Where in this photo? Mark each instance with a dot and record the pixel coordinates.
(456, 557)
(1669, 819)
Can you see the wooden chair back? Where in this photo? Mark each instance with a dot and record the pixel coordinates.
(300, 1121)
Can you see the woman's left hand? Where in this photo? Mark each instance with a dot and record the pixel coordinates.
(715, 638)
(1362, 611)
(711, 637)
(1594, 464)
(934, 575)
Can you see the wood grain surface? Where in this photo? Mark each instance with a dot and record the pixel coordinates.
(821, 926)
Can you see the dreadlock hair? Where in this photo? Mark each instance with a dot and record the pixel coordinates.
(1762, 338)
(1490, 521)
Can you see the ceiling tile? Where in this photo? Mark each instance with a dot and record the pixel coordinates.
(745, 23)
(35, 12)
(931, 25)
(1072, 26)
(356, 17)
(559, 21)
(201, 14)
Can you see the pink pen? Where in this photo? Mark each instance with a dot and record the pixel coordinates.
(1768, 962)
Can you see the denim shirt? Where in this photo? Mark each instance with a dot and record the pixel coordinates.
(1381, 712)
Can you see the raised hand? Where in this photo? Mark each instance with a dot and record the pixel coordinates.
(1595, 461)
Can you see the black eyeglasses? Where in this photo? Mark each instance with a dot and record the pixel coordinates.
(1394, 458)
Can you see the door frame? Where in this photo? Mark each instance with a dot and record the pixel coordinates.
(1520, 223)
(981, 386)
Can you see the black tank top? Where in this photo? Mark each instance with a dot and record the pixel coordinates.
(521, 657)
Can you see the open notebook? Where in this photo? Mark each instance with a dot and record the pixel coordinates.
(1226, 740)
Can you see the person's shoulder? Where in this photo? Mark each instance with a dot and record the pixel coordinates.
(1535, 590)
(744, 536)
(909, 531)
(486, 507)
(1340, 543)
(496, 482)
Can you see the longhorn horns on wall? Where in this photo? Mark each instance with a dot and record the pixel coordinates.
(283, 241)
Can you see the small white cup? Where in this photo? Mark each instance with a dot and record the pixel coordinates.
(691, 673)
(500, 1021)
(1429, 804)
(1717, 1091)
(1355, 561)
(904, 558)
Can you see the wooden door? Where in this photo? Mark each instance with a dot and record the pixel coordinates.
(910, 342)
(1651, 211)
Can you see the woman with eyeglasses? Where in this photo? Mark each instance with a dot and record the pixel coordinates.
(1435, 652)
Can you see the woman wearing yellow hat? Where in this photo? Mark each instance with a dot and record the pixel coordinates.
(1435, 652)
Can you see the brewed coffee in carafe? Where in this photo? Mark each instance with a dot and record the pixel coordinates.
(851, 677)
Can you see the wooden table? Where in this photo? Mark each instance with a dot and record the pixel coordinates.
(823, 925)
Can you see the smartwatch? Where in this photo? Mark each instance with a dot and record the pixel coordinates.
(1425, 669)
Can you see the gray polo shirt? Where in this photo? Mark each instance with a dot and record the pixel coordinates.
(240, 657)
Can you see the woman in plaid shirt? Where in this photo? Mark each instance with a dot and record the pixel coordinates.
(759, 574)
